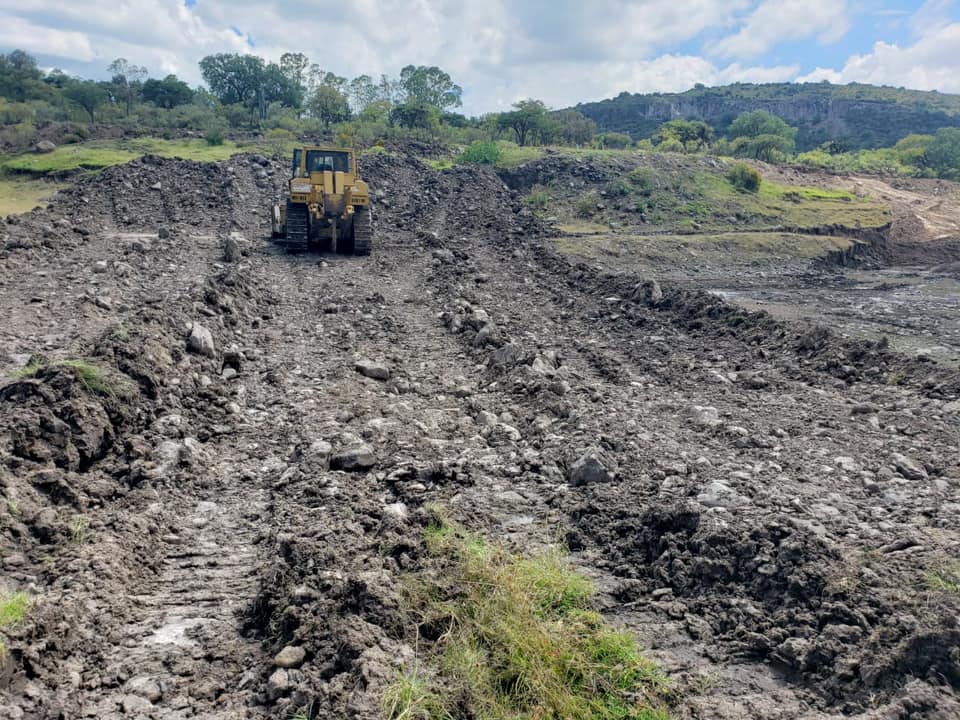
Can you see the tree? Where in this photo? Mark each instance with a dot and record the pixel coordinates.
(430, 86)
(692, 135)
(415, 116)
(167, 93)
(232, 78)
(943, 154)
(527, 118)
(572, 127)
(88, 94)
(362, 91)
(128, 78)
(329, 105)
(20, 78)
(294, 67)
(762, 136)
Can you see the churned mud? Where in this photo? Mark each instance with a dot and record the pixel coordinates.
(217, 460)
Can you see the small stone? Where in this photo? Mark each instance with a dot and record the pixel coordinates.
(370, 369)
(100, 266)
(103, 302)
(163, 233)
(228, 373)
(292, 656)
(359, 456)
(157, 186)
(145, 687)
(135, 705)
(704, 415)
(201, 341)
(590, 468)
(44, 146)
(907, 467)
(278, 683)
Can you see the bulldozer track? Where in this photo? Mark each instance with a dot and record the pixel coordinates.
(362, 231)
(298, 228)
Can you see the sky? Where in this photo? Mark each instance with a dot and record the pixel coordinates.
(501, 51)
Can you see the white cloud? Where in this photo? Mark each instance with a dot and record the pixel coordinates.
(775, 21)
(931, 63)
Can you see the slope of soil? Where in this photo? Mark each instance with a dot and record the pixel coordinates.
(224, 528)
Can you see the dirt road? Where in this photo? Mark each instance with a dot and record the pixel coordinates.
(221, 528)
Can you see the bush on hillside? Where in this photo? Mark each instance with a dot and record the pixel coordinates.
(482, 152)
(744, 178)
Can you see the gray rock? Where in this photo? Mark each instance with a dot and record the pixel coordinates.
(590, 468)
(163, 233)
(358, 456)
(506, 356)
(145, 687)
(371, 369)
(135, 705)
(907, 467)
(231, 250)
(278, 683)
(157, 186)
(719, 495)
(100, 266)
(319, 451)
(704, 415)
(201, 341)
(292, 656)
(44, 146)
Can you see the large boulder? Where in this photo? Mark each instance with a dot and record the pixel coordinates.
(44, 146)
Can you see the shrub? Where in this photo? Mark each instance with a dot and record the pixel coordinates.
(642, 179)
(614, 140)
(214, 135)
(482, 151)
(538, 198)
(744, 178)
(587, 205)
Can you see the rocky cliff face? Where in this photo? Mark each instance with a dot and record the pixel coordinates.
(878, 118)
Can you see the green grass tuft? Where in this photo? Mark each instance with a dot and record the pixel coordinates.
(516, 639)
(93, 378)
(13, 610)
(945, 578)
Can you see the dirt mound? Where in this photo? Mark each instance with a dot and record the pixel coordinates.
(219, 521)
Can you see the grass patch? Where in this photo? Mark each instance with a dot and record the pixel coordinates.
(93, 378)
(514, 637)
(13, 610)
(99, 154)
(20, 195)
(945, 578)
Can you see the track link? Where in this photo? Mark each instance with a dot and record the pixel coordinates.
(362, 231)
(297, 236)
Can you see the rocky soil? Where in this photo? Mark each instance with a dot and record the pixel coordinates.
(220, 525)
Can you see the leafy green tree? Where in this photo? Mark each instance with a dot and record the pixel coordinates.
(614, 140)
(528, 117)
(362, 92)
(20, 78)
(128, 79)
(294, 67)
(943, 154)
(692, 135)
(88, 94)
(430, 86)
(572, 127)
(762, 136)
(329, 105)
(167, 93)
(232, 78)
(376, 112)
(769, 148)
(423, 116)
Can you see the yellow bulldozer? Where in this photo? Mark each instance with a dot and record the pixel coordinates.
(328, 206)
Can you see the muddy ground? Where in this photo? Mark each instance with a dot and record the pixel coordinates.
(220, 528)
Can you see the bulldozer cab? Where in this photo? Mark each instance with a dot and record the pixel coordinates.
(308, 161)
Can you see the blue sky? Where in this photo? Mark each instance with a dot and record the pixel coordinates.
(500, 51)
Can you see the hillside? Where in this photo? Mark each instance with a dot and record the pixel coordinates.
(862, 116)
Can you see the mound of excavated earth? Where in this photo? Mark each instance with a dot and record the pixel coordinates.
(214, 514)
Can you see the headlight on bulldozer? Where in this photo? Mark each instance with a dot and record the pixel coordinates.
(301, 187)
